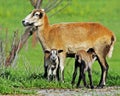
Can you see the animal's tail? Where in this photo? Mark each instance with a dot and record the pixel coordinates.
(113, 39)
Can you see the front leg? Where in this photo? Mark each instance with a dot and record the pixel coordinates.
(58, 78)
(62, 60)
(49, 74)
(45, 66)
(55, 75)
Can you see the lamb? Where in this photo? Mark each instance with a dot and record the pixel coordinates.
(53, 62)
(84, 61)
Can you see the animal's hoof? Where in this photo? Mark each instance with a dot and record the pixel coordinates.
(92, 87)
(100, 86)
(87, 86)
(78, 86)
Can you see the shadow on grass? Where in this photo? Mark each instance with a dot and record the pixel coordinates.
(36, 76)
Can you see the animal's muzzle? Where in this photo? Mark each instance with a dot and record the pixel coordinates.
(27, 23)
(53, 68)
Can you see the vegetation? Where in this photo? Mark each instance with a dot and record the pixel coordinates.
(27, 73)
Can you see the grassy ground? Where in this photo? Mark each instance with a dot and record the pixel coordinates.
(28, 71)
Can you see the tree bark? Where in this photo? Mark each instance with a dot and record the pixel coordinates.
(17, 47)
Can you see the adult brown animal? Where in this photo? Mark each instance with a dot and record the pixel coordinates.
(71, 37)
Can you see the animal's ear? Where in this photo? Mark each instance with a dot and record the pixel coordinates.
(47, 51)
(91, 50)
(59, 51)
(43, 10)
(41, 15)
(77, 58)
(94, 56)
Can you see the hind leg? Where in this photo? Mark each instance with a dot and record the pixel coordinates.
(80, 78)
(104, 68)
(90, 78)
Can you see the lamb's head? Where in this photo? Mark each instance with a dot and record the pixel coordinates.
(91, 51)
(53, 54)
(35, 18)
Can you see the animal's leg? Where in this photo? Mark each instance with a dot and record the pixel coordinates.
(74, 73)
(84, 79)
(55, 74)
(104, 67)
(62, 59)
(49, 74)
(80, 77)
(58, 77)
(90, 78)
(82, 70)
(45, 68)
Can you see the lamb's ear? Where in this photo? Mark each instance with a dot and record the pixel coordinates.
(59, 51)
(47, 51)
(77, 58)
(90, 50)
(94, 56)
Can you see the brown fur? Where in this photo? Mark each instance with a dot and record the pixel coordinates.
(83, 55)
(74, 36)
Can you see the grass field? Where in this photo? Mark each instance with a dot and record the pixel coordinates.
(27, 73)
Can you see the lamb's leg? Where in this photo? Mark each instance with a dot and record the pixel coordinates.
(55, 75)
(82, 69)
(79, 79)
(49, 74)
(90, 78)
(58, 77)
(84, 80)
(74, 73)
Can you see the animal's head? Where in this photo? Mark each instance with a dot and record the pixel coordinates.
(93, 54)
(53, 53)
(35, 18)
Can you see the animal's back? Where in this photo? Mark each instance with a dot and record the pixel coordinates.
(83, 55)
(72, 36)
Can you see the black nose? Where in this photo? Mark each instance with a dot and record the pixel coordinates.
(23, 22)
(53, 68)
(53, 60)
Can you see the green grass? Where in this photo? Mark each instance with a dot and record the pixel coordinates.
(27, 73)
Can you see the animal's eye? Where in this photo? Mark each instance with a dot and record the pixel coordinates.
(36, 14)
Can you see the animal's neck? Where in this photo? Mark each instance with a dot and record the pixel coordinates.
(43, 33)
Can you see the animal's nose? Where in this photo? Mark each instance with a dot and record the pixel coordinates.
(53, 60)
(52, 68)
(23, 21)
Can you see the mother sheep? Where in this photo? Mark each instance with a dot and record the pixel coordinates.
(71, 37)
